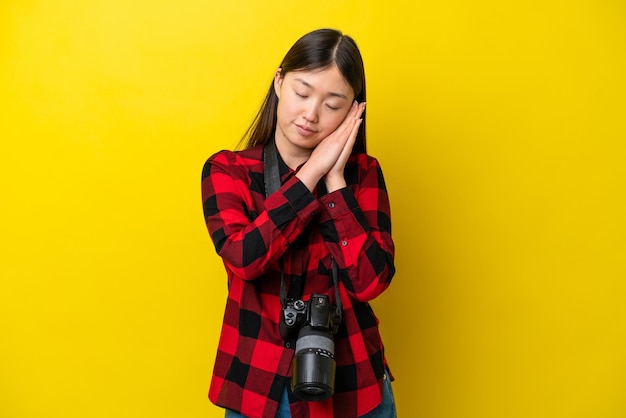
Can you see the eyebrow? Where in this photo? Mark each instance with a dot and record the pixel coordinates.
(343, 96)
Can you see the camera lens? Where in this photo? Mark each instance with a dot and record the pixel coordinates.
(314, 364)
(312, 391)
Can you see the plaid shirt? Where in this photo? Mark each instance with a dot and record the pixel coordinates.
(251, 233)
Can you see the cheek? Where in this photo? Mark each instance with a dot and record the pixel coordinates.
(282, 110)
(335, 120)
(290, 107)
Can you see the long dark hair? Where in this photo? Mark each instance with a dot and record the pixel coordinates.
(315, 50)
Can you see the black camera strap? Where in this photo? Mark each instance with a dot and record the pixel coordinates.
(271, 176)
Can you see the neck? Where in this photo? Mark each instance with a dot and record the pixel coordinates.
(293, 156)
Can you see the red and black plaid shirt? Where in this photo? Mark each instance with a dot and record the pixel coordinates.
(251, 233)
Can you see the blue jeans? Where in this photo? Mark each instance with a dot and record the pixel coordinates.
(386, 409)
(283, 408)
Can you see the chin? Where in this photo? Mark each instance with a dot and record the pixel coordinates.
(307, 144)
(303, 142)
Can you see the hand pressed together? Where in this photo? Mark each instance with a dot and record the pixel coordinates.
(329, 158)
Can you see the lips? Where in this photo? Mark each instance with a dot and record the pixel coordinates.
(304, 131)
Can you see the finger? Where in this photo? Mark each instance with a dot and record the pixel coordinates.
(344, 130)
(356, 112)
(353, 111)
(347, 149)
(360, 110)
(354, 132)
(353, 115)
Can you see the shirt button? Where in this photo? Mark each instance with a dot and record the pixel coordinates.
(331, 205)
(288, 344)
(344, 242)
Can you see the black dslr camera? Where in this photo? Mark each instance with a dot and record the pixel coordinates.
(314, 363)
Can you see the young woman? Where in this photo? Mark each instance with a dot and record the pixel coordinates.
(301, 220)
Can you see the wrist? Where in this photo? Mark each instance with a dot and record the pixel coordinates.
(334, 183)
(307, 176)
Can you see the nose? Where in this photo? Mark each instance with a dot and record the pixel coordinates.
(310, 112)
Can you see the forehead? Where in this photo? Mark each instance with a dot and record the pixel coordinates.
(325, 80)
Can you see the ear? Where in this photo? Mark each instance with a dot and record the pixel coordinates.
(278, 81)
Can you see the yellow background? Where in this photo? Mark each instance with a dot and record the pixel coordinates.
(499, 126)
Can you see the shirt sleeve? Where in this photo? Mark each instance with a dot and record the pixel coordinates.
(249, 240)
(356, 224)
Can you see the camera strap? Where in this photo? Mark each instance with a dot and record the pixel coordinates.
(271, 178)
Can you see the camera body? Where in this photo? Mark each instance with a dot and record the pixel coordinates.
(315, 321)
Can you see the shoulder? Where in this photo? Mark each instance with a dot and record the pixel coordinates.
(226, 160)
(246, 157)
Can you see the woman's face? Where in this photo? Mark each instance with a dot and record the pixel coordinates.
(311, 105)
